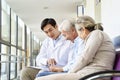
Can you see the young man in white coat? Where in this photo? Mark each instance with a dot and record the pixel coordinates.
(54, 51)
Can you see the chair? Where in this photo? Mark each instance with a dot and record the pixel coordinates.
(116, 42)
(113, 74)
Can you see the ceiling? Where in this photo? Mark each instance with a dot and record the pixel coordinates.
(32, 12)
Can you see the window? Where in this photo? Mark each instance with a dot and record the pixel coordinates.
(80, 10)
(28, 47)
(35, 49)
(21, 33)
(13, 28)
(13, 63)
(5, 21)
(19, 64)
(4, 62)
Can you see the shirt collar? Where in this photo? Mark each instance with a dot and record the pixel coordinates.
(76, 39)
(57, 39)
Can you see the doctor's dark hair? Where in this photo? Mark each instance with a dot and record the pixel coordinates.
(47, 21)
(89, 23)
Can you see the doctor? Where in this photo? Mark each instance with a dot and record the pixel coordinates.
(54, 51)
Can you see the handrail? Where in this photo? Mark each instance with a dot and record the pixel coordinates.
(19, 58)
(10, 61)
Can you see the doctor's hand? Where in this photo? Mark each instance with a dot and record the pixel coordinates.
(51, 62)
(55, 69)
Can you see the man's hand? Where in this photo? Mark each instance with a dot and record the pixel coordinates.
(55, 69)
(51, 62)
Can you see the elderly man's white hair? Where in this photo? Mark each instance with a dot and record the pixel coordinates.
(67, 24)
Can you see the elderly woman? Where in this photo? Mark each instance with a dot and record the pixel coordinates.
(98, 54)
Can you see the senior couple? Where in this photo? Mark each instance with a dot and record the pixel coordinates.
(79, 49)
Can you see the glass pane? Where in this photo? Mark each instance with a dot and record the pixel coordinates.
(32, 42)
(36, 43)
(4, 49)
(80, 10)
(21, 33)
(4, 71)
(13, 28)
(13, 51)
(23, 59)
(5, 21)
(19, 64)
(4, 58)
(28, 47)
(32, 48)
(35, 49)
(5, 6)
(12, 71)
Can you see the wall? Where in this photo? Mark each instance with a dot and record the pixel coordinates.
(107, 12)
(110, 14)
(89, 8)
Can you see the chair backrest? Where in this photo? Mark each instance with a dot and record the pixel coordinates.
(117, 61)
(116, 42)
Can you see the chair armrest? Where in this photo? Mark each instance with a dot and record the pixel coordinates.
(101, 74)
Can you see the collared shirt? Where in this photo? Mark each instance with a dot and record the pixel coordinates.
(78, 47)
(58, 49)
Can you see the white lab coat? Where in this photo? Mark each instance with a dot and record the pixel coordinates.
(60, 52)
